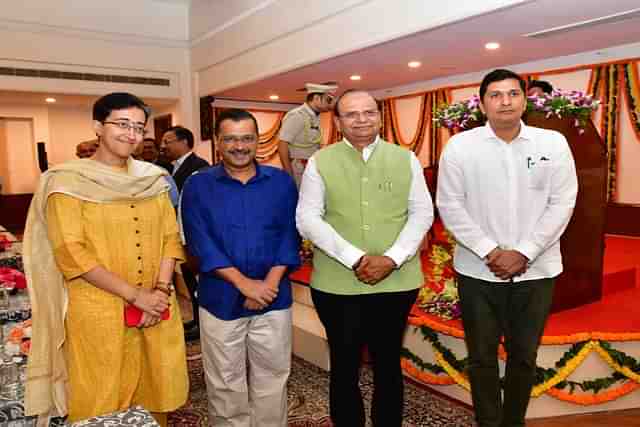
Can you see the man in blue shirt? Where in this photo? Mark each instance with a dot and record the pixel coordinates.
(239, 221)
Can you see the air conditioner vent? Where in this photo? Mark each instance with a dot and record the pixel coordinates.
(609, 19)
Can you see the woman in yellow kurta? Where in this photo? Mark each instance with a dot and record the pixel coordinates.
(102, 234)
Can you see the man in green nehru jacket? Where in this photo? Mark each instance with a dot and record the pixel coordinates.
(365, 206)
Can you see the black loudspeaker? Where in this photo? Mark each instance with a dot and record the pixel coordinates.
(43, 163)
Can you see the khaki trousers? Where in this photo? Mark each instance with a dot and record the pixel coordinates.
(246, 365)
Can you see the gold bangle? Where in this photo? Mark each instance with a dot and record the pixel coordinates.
(166, 289)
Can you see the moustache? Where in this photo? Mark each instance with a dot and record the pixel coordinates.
(239, 152)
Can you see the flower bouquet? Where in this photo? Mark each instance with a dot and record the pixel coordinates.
(575, 104)
(459, 115)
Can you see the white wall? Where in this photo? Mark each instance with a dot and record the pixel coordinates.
(207, 17)
(68, 126)
(39, 115)
(310, 32)
(19, 162)
(112, 19)
(117, 52)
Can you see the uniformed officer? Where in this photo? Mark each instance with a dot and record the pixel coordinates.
(300, 135)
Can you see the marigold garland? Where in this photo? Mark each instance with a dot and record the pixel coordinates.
(435, 325)
(613, 336)
(551, 381)
(626, 371)
(453, 373)
(424, 376)
(456, 331)
(594, 399)
(563, 372)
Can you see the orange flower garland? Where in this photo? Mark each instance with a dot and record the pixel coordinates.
(594, 399)
(546, 387)
(424, 376)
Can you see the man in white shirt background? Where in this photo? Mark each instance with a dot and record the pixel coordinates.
(365, 206)
(506, 191)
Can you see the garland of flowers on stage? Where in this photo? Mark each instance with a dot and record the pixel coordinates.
(552, 381)
(604, 83)
(439, 294)
(632, 95)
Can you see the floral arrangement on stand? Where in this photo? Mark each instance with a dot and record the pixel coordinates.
(459, 115)
(576, 104)
(439, 294)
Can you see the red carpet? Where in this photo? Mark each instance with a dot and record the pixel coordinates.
(618, 312)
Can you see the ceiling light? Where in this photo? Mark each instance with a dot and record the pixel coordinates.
(274, 97)
(355, 77)
(50, 100)
(414, 64)
(492, 46)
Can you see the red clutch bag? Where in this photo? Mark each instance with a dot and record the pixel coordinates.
(133, 314)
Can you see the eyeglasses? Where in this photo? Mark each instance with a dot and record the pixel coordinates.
(244, 139)
(355, 115)
(126, 125)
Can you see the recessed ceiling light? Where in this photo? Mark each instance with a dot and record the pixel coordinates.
(274, 97)
(50, 100)
(414, 64)
(492, 46)
(355, 77)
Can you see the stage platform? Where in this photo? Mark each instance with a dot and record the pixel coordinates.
(583, 344)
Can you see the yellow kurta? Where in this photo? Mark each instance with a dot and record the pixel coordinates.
(112, 367)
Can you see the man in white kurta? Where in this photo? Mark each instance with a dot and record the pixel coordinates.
(506, 191)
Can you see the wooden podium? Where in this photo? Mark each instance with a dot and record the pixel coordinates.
(582, 244)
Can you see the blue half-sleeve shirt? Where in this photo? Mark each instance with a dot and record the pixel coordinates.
(247, 226)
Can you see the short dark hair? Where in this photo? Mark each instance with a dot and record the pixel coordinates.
(235, 115)
(336, 110)
(497, 76)
(545, 86)
(118, 101)
(312, 95)
(182, 133)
